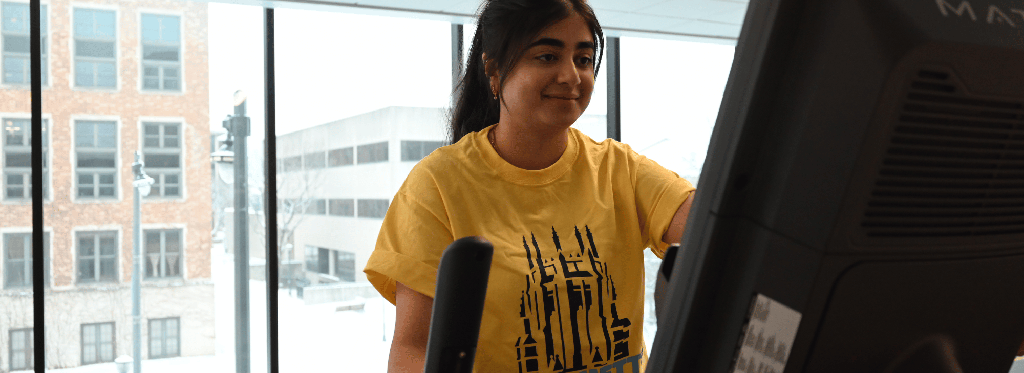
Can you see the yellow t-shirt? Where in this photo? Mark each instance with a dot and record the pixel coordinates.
(566, 287)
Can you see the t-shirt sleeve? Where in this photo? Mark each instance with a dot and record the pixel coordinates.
(414, 233)
(659, 193)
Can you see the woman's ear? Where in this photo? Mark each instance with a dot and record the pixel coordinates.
(491, 71)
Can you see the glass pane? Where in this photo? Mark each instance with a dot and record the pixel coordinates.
(363, 140)
(105, 75)
(96, 160)
(15, 70)
(173, 241)
(670, 119)
(108, 244)
(162, 160)
(103, 49)
(16, 44)
(159, 53)
(152, 242)
(17, 159)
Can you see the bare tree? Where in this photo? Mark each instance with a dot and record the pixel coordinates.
(297, 190)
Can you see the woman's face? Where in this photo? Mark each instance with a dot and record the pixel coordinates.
(553, 80)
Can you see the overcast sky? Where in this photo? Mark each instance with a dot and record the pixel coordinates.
(332, 65)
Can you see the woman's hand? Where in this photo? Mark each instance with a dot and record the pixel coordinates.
(412, 327)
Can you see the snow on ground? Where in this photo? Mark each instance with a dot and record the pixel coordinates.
(314, 338)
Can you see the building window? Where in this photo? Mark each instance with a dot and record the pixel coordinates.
(97, 343)
(371, 153)
(96, 153)
(162, 155)
(345, 265)
(314, 160)
(342, 207)
(163, 338)
(372, 208)
(97, 256)
(95, 48)
(340, 157)
(311, 259)
(292, 164)
(163, 253)
(21, 349)
(416, 150)
(161, 52)
(17, 157)
(17, 45)
(316, 207)
(18, 260)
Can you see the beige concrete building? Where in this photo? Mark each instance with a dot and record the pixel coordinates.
(118, 76)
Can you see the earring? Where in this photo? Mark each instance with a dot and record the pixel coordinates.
(494, 92)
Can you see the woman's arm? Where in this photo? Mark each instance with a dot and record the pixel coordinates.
(412, 327)
(675, 229)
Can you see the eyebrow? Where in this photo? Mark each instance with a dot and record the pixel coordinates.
(560, 44)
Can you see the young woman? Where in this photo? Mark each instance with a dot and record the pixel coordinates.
(569, 217)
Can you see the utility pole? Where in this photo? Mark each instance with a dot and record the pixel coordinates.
(142, 184)
(238, 133)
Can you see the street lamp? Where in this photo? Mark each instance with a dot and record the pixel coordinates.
(142, 185)
(235, 147)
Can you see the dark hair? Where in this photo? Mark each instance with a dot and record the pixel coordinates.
(504, 28)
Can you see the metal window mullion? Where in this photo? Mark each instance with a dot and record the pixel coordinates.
(38, 310)
(270, 187)
(614, 115)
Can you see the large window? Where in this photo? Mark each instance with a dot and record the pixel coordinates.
(96, 159)
(371, 153)
(340, 157)
(314, 160)
(163, 253)
(342, 207)
(21, 349)
(163, 338)
(161, 52)
(162, 155)
(17, 158)
(18, 260)
(416, 150)
(97, 256)
(16, 45)
(95, 48)
(345, 265)
(372, 208)
(97, 343)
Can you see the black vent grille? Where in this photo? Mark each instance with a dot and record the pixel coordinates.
(954, 166)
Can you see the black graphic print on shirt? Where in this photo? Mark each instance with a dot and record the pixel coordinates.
(568, 310)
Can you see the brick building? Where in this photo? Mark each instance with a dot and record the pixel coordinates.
(118, 76)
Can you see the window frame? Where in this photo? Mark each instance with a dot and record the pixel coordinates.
(181, 53)
(27, 351)
(75, 59)
(96, 342)
(47, 36)
(26, 172)
(26, 261)
(158, 173)
(163, 343)
(163, 230)
(75, 170)
(96, 258)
